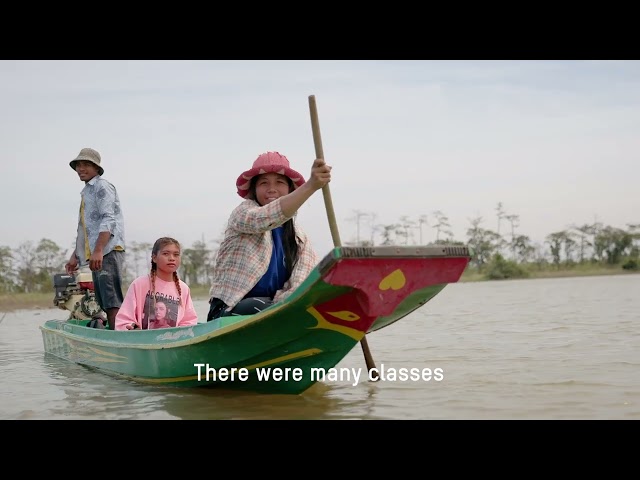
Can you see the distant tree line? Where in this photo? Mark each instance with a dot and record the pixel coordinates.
(30, 267)
(501, 253)
(509, 253)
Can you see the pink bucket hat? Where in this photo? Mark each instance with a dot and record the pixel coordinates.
(267, 163)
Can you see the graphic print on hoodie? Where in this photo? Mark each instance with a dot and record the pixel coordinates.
(163, 311)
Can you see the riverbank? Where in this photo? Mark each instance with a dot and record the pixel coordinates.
(40, 301)
(472, 275)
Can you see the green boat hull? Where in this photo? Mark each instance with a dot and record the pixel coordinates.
(352, 291)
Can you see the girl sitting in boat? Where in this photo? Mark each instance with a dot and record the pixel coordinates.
(264, 256)
(159, 299)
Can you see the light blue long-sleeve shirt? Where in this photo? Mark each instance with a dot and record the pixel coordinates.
(102, 213)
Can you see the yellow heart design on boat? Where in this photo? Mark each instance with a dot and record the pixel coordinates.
(394, 281)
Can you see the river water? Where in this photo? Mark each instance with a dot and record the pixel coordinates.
(565, 348)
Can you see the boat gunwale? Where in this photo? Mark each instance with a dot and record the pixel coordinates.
(192, 340)
(330, 260)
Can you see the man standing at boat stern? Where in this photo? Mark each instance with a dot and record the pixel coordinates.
(100, 236)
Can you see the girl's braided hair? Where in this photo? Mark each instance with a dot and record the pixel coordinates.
(160, 243)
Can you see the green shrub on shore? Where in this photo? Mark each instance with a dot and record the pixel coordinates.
(500, 268)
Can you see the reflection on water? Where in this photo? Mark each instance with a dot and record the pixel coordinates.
(557, 349)
(92, 394)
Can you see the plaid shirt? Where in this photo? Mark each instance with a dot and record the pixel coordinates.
(244, 254)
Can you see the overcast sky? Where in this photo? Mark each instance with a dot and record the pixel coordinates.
(557, 142)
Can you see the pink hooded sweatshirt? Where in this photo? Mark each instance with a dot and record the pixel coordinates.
(139, 306)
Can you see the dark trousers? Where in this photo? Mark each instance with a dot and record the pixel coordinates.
(107, 282)
(246, 306)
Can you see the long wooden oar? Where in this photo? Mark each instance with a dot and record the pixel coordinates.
(317, 140)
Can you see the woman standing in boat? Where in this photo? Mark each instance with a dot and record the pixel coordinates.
(264, 256)
(161, 292)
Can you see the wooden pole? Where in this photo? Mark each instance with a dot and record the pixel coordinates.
(326, 192)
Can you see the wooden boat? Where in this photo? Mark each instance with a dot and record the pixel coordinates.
(285, 348)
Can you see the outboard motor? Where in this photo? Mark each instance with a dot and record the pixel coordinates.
(76, 294)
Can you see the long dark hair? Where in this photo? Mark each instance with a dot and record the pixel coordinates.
(161, 242)
(289, 239)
